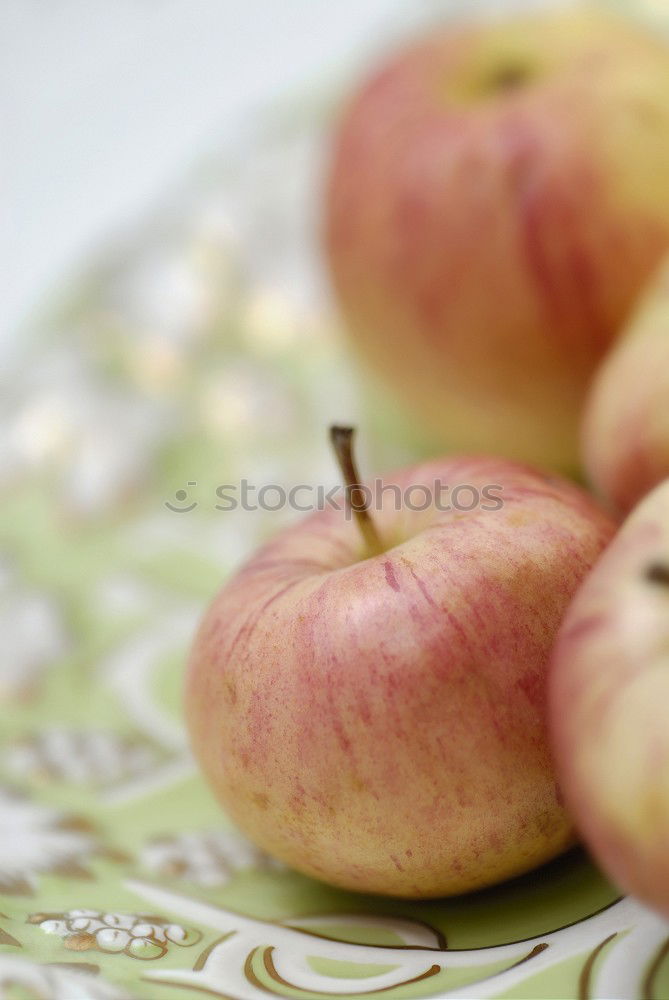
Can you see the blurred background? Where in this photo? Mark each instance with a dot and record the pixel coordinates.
(107, 106)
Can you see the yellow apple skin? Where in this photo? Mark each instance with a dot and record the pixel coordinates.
(609, 705)
(496, 200)
(626, 422)
(380, 724)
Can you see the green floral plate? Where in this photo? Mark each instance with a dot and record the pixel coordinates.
(200, 353)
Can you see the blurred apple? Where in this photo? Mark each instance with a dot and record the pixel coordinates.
(497, 198)
(609, 687)
(626, 423)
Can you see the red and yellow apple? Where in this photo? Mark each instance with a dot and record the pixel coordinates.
(626, 424)
(609, 700)
(497, 198)
(379, 721)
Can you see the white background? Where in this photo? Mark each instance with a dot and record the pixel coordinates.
(106, 103)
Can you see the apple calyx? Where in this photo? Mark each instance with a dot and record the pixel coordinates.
(512, 75)
(341, 439)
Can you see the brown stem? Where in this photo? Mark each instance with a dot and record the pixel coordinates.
(342, 442)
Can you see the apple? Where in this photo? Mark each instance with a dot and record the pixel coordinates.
(369, 705)
(496, 200)
(609, 705)
(626, 423)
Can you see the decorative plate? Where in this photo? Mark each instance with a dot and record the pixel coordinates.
(196, 353)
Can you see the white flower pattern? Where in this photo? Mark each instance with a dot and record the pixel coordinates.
(34, 634)
(137, 935)
(66, 981)
(95, 757)
(208, 858)
(36, 839)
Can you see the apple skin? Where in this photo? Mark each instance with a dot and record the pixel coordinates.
(609, 705)
(496, 200)
(380, 723)
(626, 422)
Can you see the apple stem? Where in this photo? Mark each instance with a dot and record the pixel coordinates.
(356, 500)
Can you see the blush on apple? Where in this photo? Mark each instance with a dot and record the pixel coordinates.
(497, 199)
(369, 706)
(609, 688)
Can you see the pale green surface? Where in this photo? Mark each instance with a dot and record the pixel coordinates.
(110, 589)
